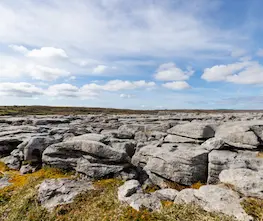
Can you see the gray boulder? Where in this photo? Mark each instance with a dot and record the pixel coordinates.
(246, 135)
(27, 169)
(166, 194)
(131, 128)
(8, 144)
(139, 201)
(128, 188)
(183, 163)
(213, 144)
(91, 158)
(220, 160)
(4, 182)
(196, 130)
(55, 120)
(92, 136)
(215, 199)
(54, 192)
(131, 193)
(11, 162)
(34, 147)
(99, 170)
(140, 136)
(128, 146)
(245, 181)
(144, 201)
(170, 138)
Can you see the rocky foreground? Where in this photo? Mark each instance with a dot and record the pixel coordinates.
(224, 152)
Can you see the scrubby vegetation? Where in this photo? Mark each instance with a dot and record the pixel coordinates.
(19, 202)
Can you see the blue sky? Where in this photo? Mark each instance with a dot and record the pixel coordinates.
(141, 54)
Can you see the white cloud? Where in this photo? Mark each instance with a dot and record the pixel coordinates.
(19, 48)
(169, 72)
(245, 72)
(47, 52)
(12, 67)
(154, 28)
(45, 73)
(260, 52)
(126, 96)
(63, 90)
(117, 85)
(177, 85)
(21, 89)
(100, 69)
(44, 52)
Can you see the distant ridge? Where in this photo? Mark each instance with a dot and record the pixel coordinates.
(62, 110)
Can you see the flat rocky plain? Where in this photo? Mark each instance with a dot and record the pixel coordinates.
(222, 152)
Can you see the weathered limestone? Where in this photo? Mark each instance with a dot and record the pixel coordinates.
(92, 158)
(246, 135)
(4, 182)
(215, 199)
(220, 160)
(184, 164)
(54, 192)
(246, 181)
(166, 194)
(128, 188)
(196, 130)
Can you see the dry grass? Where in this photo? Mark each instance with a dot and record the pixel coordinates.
(19, 203)
(3, 167)
(254, 207)
(95, 205)
(260, 155)
(197, 185)
(180, 187)
(19, 182)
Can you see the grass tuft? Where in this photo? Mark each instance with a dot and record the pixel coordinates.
(254, 207)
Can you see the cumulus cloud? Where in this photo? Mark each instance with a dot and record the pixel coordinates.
(117, 85)
(11, 67)
(177, 85)
(47, 52)
(45, 73)
(19, 48)
(92, 90)
(100, 27)
(169, 72)
(63, 90)
(244, 72)
(21, 89)
(44, 52)
(70, 91)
